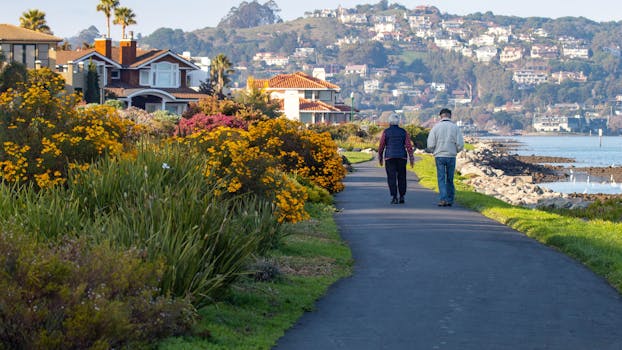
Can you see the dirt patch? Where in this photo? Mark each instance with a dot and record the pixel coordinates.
(301, 266)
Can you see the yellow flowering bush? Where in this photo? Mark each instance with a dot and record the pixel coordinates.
(236, 167)
(43, 134)
(304, 152)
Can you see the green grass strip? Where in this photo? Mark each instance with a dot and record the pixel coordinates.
(595, 243)
(358, 157)
(256, 314)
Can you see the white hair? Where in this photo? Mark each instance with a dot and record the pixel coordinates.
(394, 119)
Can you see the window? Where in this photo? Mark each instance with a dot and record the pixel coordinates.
(116, 74)
(165, 74)
(144, 77)
(25, 54)
(43, 51)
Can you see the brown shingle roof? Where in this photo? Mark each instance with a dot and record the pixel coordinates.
(11, 33)
(62, 56)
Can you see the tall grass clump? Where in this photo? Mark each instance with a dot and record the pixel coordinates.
(160, 203)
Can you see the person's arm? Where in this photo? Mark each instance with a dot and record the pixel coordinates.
(381, 147)
(460, 140)
(431, 141)
(409, 149)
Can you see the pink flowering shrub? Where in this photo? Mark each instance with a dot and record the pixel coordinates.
(200, 122)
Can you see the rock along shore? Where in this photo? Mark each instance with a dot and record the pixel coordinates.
(490, 170)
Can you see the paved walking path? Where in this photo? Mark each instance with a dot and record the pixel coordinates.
(427, 277)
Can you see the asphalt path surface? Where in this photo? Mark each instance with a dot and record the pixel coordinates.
(428, 277)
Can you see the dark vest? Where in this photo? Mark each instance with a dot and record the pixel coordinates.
(395, 139)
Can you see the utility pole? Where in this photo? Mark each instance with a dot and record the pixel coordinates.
(351, 105)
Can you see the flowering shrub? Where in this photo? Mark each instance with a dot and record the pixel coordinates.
(201, 121)
(245, 110)
(236, 166)
(159, 123)
(43, 134)
(303, 152)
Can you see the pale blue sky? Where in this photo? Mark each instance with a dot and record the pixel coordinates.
(68, 17)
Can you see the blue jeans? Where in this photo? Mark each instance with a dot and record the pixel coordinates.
(445, 167)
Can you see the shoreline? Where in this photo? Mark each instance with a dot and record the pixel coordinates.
(492, 169)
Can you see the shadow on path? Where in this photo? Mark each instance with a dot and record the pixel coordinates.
(427, 277)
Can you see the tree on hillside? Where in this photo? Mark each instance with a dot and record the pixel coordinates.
(251, 14)
(107, 6)
(124, 16)
(34, 20)
(220, 71)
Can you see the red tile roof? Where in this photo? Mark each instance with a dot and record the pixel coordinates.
(298, 80)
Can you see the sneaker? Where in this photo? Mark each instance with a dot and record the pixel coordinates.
(394, 200)
(448, 204)
(442, 204)
(401, 199)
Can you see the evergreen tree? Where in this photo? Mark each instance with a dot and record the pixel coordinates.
(92, 94)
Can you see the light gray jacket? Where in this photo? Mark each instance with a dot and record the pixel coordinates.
(445, 139)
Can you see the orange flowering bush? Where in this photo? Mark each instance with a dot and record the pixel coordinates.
(236, 167)
(43, 134)
(306, 153)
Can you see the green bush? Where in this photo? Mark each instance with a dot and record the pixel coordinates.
(115, 103)
(72, 296)
(418, 135)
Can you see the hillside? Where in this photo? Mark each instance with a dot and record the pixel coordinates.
(506, 69)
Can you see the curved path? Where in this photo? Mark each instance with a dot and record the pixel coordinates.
(427, 277)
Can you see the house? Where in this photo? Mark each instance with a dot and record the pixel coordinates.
(27, 46)
(147, 79)
(544, 51)
(305, 98)
(486, 53)
(576, 51)
(561, 76)
(356, 69)
(528, 77)
(511, 54)
(558, 123)
(196, 77)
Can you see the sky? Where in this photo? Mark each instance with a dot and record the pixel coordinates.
(67, 18)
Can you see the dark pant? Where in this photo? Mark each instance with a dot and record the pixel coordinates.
(396, 175)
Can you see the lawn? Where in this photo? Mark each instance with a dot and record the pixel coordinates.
(358, 157)
(595, 243)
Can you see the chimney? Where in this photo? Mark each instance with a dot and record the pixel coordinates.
(103, 46)
(128, 50)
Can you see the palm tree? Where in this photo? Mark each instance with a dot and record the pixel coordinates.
(219, 74)
(34, 20)
(124, 16)
(106, 6)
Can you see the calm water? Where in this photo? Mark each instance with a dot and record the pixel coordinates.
(585, 150)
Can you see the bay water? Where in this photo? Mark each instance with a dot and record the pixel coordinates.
(587, 151)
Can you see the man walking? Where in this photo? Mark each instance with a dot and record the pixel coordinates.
(395, 147)
(445, 141)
